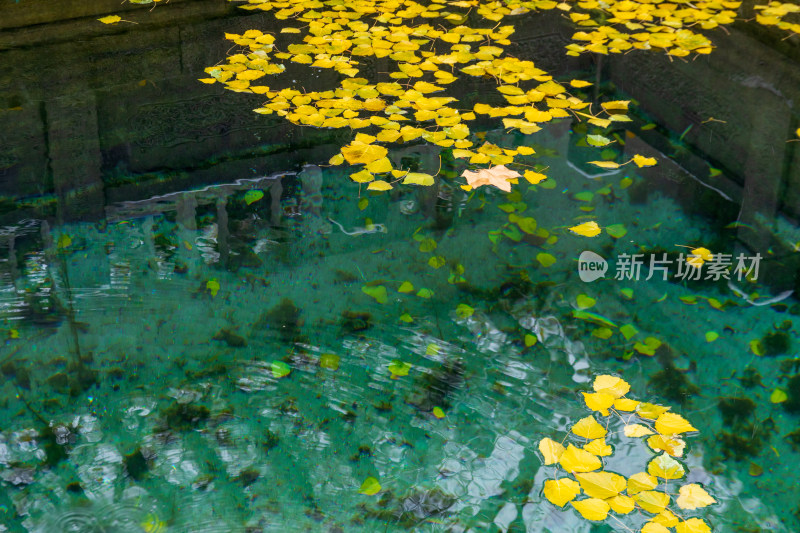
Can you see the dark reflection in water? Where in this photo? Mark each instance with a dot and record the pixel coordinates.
(152, 306)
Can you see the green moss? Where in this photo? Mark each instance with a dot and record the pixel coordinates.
(736, 411)
(750, 378)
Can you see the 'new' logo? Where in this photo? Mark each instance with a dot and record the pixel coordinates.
(591, 266)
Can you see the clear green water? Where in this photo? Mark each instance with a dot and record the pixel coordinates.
(138, 391)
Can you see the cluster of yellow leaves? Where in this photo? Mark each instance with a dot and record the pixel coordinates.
(608, 491)
(773, 13)
(405, 107)
(649, 25)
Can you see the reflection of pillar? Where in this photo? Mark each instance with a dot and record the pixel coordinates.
(761, 199)
(222, 231)
(74, 153)
(186, 211)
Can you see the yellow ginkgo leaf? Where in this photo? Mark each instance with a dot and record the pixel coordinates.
(577, 460)
(621, 504)
(551, 450)
(592, 508)
(637, 430)
(587, 229)
(589, 428)
(617, 387)
(601, 485)
(693, 496)
(693, 525)
(671, 423)
(641, 481)
(561, 491)
(665, 467)
(599, 447)
(598, 401)
(652, 501)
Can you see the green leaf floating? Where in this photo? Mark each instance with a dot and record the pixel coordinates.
(280, 369)
(253, 196)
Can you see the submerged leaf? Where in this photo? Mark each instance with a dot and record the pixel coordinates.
(370, 487)
(693, 496)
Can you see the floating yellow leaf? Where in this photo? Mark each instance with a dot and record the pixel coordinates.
(693, 496)
(613, 385)
(599, 401)
(561, 491)
(693, 525)
(533, 177)
(370, 487)
(587, 229)
(589, 428)
(672, 445)
(602, 484)
(599, 448)
(359, 152)
(438, 412)
(665, 467)
(621, 504)
(650, 410)
(110, 19)
(418, 178)
(637, 430)
(577, 460)
(653, 527)
(626, 404)
(551, 450)
(497, 176)
(641, 481)
(592, 508)
(379, 185)
(598, 140)
(642, 161)
(605, 164)
(671, 423)
(652, 501)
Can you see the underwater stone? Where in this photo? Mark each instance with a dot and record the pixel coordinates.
(354, 322)
(60, 382)
(736, 411)
(231, 339)
(792, 404)
(776, 342)
(136, 465)
(674, 385)
(284, 318)
(185, 416)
